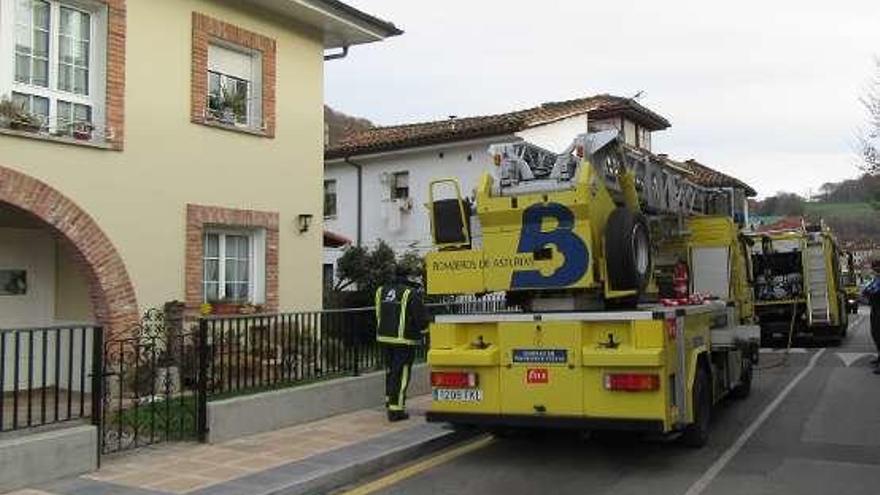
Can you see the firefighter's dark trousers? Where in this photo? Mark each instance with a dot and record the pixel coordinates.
(398, 365)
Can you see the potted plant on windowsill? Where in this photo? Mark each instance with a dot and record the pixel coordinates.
(229, 106)
(15, 116)
(82, 131)
(250, 309)
(28, 123)
(9, 111)
(224, 307)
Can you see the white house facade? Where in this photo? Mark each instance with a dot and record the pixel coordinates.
(376, 182)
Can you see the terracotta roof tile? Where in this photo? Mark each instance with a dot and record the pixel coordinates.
(787, 223)
(381, 139)
(705, 176)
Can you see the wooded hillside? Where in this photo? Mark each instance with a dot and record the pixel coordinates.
(338, 124)
(851, 208)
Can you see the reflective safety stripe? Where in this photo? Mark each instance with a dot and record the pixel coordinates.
(396, 340)
(401, 395)
(378, 306)
(401, 325)
(392, 407)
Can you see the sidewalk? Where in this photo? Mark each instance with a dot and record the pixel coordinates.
(311, 457)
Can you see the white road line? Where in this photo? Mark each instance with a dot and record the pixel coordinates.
(849, 358)
(701, 484)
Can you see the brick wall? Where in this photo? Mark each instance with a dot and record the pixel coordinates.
(115, 104)
(110, 289)
(204, 30)
(198, 217)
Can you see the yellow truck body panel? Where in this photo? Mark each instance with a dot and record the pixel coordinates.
(553, 367)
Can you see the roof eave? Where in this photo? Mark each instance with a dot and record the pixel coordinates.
(340, 24)
(332, 155)
(651, 121)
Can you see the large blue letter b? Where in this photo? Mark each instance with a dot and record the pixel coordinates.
(567, 242)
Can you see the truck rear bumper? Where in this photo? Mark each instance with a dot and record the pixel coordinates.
(551, 422)
(817, 333)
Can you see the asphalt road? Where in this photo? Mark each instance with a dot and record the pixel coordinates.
(811, 426)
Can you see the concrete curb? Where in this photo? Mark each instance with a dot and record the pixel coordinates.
(318, 474)
(357, 471)
(346, 465)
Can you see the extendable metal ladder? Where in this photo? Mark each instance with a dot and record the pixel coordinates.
(662, 186)
(818, 305)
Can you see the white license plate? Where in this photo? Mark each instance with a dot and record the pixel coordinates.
(458, 394)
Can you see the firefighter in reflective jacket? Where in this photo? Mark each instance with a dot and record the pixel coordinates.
(400, 319)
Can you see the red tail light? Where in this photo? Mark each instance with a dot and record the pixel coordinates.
(453, 379)
(632, 382)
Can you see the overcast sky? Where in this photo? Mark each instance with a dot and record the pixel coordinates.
(764, 90)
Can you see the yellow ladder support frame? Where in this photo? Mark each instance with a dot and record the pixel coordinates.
(464, 220)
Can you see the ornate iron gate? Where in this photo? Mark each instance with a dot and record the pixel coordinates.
(153, 384)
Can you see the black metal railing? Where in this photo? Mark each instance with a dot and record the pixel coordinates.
(255, 352)
(153, 386)
(251, 353)
(47, 374)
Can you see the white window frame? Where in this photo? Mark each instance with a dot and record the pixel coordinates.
(256, 268)
(335, 198)
(255, 85)
(393, 189)
(96, 99)
(645, 139)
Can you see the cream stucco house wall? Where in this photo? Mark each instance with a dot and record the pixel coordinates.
(169, 150)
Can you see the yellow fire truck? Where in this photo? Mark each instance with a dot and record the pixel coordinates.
(575, 240)
(851, 283)
(799, 290)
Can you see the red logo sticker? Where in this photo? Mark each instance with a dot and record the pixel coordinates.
(537, 375)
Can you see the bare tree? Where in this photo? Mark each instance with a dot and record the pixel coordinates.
(869, 141)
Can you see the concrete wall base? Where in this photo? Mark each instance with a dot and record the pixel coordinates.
(241, 416)
(33, 458)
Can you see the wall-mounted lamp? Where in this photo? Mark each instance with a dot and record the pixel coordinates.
(304, 221)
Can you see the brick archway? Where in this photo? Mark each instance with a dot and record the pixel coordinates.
(110, 289)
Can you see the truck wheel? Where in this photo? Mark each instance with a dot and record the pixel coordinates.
(744, 388)
(696, 434)
(627, 250)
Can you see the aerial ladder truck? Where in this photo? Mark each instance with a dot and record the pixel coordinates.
(800, 290)
(583, 244)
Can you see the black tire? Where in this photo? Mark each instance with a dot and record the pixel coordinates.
(628, 251)
(744, 388)
(696, 434)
